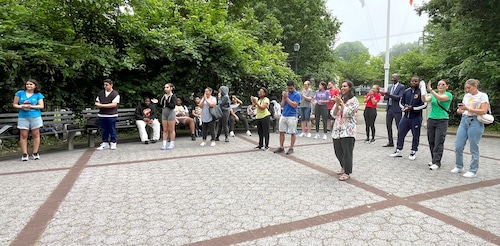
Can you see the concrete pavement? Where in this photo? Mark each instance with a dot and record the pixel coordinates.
(231, 194)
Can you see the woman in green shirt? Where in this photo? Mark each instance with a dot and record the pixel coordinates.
(437, 124)
(262, 118)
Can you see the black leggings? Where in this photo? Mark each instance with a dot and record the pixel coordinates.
(370, 115)
(208, 126)
(241, 118)
(223, 123)
(263, 130)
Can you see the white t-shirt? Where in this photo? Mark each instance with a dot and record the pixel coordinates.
(474, 101)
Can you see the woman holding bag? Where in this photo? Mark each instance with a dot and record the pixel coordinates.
(207, 120)
(474, 103)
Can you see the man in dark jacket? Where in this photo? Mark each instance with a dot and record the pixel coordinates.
(412, 105)
(393, 111)
(145, 115)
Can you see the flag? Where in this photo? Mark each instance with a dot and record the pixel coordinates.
(411, 2)
(362, 3)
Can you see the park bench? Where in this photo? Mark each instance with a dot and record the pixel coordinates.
(54, 123)
(126, 120)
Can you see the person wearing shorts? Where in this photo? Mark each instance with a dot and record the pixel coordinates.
(30, 102)
(288, 120)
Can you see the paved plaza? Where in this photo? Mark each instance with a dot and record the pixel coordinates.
(231, 194)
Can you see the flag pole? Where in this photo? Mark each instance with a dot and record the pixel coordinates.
(387, 64)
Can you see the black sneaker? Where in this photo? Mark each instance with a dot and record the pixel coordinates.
(289, 152)
(372, 141)
(258, 147)
(152, 141)
(217, 139)
(266, 148)
(226, 140)
(146, 142)
(279, 150)
(193, 138)
(388, 145)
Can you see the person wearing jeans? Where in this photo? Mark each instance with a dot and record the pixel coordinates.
(474, 103)
(107, 101)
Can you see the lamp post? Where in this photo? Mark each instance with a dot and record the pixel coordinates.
(296, 48)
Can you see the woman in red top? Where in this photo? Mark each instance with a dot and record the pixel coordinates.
(370, 113)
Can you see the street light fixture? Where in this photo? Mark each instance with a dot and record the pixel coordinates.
(296, 48)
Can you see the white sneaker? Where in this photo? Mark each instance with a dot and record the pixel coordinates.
(249, 133)
(457, 170)
(430, 163)
(308, 135)
(413, 155)
(36, 156)
(433, 167)
(203, 144)
(113, 146)
(24, 157)
(231, 133)
(469, 174)
(103, 146)
(396, 153)
(325, 137)
(301, 134)
(212, 144)
(170, 147)
(316, 136)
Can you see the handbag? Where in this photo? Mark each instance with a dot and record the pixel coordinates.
(441, 106)
(216, 112)
(486, 118)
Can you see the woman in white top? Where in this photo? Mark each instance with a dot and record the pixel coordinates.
(474, 103)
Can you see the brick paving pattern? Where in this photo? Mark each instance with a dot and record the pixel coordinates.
(231, 194)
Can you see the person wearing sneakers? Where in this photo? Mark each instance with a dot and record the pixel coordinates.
(29, 101)
(225, 104)
(262, 118)
(345, 112)
(288, 121)
(437, 124)
(235, 115)
(182, 117)
(107, 102)
(334, 92)
(145, 115)
(305, 105)
(207, 121)
(473, 104)
(412, 105)
(321, 99)
(370, 113)
(168, 101)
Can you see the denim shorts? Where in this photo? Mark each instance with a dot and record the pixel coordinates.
(305, 114)
(29, 123)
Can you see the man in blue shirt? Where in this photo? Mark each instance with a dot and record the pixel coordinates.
(288, 120)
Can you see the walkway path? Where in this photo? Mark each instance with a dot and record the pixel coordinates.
(232, 194)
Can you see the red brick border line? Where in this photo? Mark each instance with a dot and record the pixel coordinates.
(411, 202)
(38, 223)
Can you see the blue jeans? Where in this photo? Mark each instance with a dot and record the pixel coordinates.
(108, 128)
(470, 128)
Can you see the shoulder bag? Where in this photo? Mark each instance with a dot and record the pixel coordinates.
(216, 112)
(486, 118)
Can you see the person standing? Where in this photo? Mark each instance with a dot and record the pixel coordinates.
(370, 113)
(306, 96)
(107, 101)
(344, 128)
(412, 105)
(288, 121)
(224, 103)
(29, 101)
(145, 115)
(235, 115)
(334, 92)
(262, 118)
(437, 124)
(168, 101)
(393, 111)
(321, 99)
(207, 120)
(473, 104)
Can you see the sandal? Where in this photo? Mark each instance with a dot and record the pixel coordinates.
(340, 172)
(344, 177)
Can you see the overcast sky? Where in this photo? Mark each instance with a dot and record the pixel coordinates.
(368, 24)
